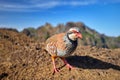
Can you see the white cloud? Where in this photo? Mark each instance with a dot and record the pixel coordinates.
(14, 7)
(33, 5)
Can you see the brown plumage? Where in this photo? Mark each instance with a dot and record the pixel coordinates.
(62, 45)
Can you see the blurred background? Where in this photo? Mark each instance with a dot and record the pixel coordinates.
(99, 20)
(26, 24)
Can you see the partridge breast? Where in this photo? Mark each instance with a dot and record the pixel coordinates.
(60, 45)
(54, 43)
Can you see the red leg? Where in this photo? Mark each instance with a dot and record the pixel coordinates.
(67, 64)
(54, 67)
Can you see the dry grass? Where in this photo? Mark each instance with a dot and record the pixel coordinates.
(21, 58)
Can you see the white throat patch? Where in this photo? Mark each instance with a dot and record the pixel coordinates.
(72, 36)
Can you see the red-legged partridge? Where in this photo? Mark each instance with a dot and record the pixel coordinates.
(62, 45)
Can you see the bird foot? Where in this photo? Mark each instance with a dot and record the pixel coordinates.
(69, 66)
(56, 70)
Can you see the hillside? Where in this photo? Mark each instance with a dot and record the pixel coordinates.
(23, 58)
(90, 36)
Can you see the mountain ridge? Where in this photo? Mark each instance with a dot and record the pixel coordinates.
(90, 36)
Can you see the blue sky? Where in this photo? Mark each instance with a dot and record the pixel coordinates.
(101, 15)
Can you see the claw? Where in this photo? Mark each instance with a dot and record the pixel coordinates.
(56, 70)
(69, 66)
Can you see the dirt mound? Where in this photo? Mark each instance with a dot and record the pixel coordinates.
(21, 58)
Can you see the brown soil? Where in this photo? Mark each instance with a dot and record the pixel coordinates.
(21, 58)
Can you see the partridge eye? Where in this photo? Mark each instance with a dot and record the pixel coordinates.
(74, 31)
(77, 32)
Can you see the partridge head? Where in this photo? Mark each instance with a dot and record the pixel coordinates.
(74, 33)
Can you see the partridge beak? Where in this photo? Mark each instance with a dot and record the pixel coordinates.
(79, 35)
